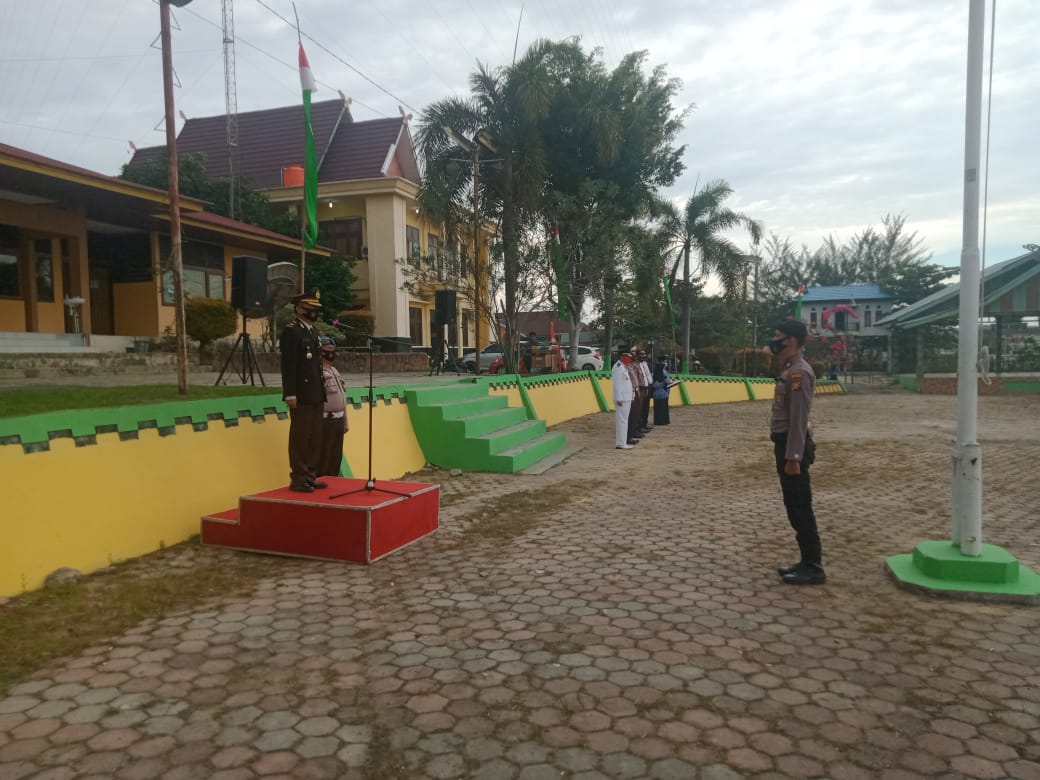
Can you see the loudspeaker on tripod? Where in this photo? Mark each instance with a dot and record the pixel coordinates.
(249, 284)
(444, 313)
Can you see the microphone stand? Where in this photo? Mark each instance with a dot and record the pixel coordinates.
(370, 483)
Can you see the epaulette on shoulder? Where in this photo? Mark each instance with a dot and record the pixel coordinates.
(293, 324)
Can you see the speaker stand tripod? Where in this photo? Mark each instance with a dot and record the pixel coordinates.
(249, 365)
(370, 483)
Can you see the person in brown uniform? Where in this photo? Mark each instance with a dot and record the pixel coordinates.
(303, 389)
(334, 423)
(794, 449)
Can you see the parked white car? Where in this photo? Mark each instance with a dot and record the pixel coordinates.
(589, 358)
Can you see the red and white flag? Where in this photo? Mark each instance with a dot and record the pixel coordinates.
(556, 234)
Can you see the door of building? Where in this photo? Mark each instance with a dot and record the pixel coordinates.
(101, 317)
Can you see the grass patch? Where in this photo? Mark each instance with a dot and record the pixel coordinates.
(45, 625)
(18, 402)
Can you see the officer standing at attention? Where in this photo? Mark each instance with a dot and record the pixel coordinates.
(303, 389)
(334, 423)
(624, 394)
(793, 447)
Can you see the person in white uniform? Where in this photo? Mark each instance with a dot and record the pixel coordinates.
(624, 393)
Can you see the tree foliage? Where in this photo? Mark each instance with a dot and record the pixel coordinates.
(209, 319)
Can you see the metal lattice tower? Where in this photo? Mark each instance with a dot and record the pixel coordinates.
(231, 104)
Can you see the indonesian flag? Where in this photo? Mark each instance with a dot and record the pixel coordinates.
(310, 166)
(556, 234)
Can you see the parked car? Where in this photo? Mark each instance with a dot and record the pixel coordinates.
(499, 362)
(488, 355)
(589, 358)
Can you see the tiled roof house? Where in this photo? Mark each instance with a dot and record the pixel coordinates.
(368, 184)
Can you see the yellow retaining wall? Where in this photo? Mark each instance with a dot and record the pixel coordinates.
(560, 400)
(88, 506)
(606, 384)
(512, 392)
(706, 391)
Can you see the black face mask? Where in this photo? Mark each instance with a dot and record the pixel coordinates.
(776, 346)
(311, 314)
(329, 356)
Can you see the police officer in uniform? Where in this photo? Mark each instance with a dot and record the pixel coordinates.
(794, 450)
(303, 389)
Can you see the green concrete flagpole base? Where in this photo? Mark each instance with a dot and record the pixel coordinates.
(940, 569)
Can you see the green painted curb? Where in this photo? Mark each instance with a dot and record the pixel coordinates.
(939, 567)
(683, 394)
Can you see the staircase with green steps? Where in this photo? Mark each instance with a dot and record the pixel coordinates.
(461, 426)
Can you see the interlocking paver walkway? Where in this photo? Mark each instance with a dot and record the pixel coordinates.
(632, 628)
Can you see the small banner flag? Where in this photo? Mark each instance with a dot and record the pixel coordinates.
(798, 304)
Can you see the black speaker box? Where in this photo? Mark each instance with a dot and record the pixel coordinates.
(249, 284)
(444, 313)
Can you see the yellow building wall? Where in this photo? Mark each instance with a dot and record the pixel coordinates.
(136, 306)
(51, 317)
(128, 498)
(557, 402)
(12, 315)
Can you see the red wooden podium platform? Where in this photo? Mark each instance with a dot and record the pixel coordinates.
(362, 526)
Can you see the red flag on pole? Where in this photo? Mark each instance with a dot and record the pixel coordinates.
(552, 332)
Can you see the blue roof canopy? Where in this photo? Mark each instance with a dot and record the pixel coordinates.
(845, 292)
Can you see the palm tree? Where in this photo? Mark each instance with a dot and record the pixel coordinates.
(699, 228)
(505, 109)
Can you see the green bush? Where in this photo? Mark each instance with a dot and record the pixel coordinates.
(209, 319)
(362, 324)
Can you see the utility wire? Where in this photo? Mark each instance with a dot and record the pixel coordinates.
(335, 56)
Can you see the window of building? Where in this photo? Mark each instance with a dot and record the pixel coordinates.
(812, 318)
(412, 246)
(9, 283)
(43, 258)
(867, 318)
(203, 270)
(433, 250)
(415, 324)
(342, 236)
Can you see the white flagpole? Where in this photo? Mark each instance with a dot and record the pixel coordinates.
(967, 454)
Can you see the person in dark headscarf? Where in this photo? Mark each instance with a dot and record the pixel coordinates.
(661, 387)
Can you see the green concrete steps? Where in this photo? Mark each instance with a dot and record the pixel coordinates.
(461, 426)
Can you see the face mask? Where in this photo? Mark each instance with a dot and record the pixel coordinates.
(329, 356)
(311, 314)
(776, 346)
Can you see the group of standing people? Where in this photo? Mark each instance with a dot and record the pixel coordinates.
(315, 393)
(634, 385)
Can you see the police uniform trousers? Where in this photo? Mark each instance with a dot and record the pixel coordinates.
(644, 419)
(797, 492)
(304, 441)
(331, 458)
(635, 414)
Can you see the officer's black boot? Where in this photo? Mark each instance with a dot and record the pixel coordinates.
(806, 574)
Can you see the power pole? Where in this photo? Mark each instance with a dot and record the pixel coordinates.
(174, 195)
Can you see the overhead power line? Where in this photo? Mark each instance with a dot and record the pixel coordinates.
(335, 56)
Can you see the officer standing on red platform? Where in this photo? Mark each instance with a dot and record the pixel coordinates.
(303, 389)
(794, 449)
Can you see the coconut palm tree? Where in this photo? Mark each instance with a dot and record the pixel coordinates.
(503, 116)
(698, 232)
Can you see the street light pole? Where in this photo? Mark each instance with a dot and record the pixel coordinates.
(174, 195)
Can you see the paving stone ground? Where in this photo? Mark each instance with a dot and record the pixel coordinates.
(634, 629)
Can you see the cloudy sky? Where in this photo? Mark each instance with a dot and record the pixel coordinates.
(823, 115)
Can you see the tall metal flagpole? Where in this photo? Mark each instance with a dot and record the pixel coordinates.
(967, 454)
